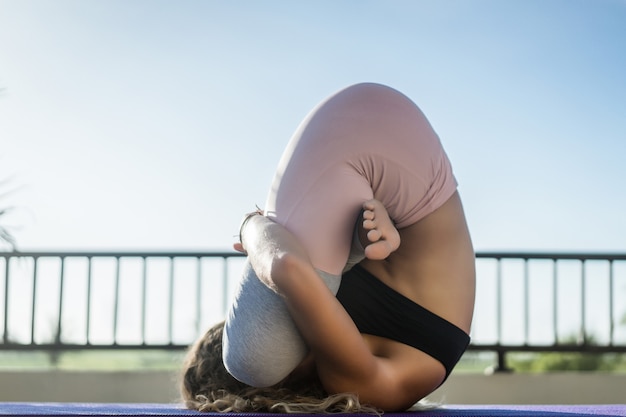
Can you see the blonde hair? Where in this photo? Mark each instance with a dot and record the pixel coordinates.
(207, 386)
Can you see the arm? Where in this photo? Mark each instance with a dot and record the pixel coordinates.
(345, 363)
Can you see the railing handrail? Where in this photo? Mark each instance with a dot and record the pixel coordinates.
(121, 254)
(583, 256)
(523, 255)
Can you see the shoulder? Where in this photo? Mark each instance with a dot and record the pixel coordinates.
(398, 376)
(405, 375)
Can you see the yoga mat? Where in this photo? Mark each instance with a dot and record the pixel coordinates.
(93, 409)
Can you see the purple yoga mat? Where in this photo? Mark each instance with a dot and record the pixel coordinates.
(48, 409)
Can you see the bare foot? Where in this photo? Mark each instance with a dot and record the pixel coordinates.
(381, 232)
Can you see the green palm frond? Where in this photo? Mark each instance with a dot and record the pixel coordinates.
(6, 237)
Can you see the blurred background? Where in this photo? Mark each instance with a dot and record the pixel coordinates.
(154, 125)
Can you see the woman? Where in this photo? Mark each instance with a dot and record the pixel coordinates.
(207, 386)
(400, 321)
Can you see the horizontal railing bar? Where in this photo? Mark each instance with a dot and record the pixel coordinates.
(73, 347)
(118, 254)
(553, 255)
(176, 346)
(227, 254)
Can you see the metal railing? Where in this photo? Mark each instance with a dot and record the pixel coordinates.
(43, 324)
(582, 305)
(56, 301)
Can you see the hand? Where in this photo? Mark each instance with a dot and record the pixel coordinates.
(238, 246)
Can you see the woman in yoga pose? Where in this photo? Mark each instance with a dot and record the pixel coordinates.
(378, 313)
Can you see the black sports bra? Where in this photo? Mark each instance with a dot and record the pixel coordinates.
(379, 310)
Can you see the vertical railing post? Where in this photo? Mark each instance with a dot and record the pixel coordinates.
(33, 310)
(198, 294)
(583, 304)
(57, 338)
(501, 366)
(170, 311)
(555, 301)
(144, 286)
(7, 270)
(225, 283)
(88, 307)
(526, 303)
(116, 300)
(611, 305)
(499, 301)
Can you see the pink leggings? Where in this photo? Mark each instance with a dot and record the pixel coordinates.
(365, 141)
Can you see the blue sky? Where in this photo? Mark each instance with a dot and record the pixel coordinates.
(157, 124)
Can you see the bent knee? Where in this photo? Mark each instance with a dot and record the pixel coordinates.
(255, 369)
(256, 375)
(261, 353)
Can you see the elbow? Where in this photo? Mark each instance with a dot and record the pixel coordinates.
(336, 380)
(285, 266)
(386, 402)
(389, 395)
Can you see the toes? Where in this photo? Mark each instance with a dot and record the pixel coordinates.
(369, 224)
(369, 205)
(374, 235)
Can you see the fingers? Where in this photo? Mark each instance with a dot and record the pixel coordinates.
(239, 247)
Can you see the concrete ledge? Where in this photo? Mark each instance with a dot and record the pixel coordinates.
(98, 387)
(545, 388)
(162, 387)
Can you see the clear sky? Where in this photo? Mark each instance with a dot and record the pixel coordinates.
(157, 124)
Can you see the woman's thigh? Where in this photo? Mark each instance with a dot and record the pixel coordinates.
(366, 141)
